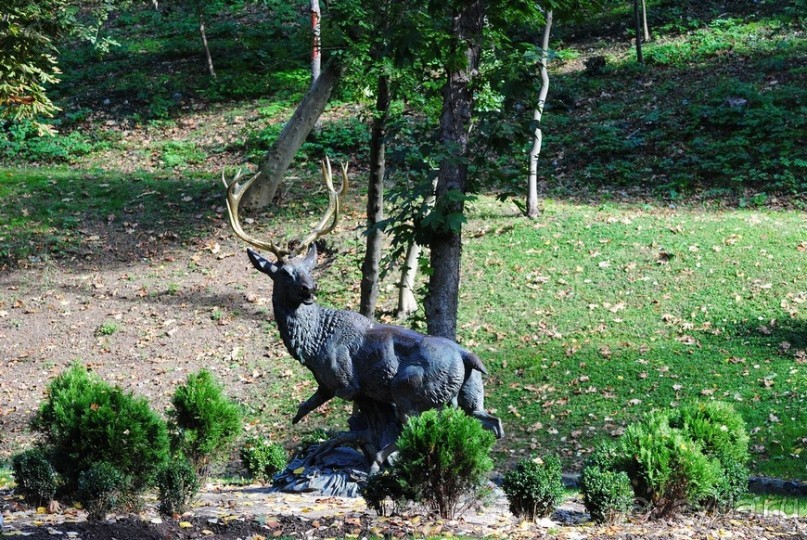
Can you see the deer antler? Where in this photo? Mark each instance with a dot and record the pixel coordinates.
(334, 200)
(235, 191)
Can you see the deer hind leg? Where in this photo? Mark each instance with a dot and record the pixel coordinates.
(322, 395)
(471, 399)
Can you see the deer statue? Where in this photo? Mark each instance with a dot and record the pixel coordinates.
(351, 356)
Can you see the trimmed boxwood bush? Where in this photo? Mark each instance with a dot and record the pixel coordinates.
(178, 485)
(534, 487)
(263, 458)
(85, 421)
(385, 493)
(443, 456)
(607, 493)
(36, 478)
(205, 423)
(101, 489)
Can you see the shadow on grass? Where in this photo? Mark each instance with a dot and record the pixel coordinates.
(61, 213)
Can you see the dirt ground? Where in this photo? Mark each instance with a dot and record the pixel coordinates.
(253, 513)
(143, 310)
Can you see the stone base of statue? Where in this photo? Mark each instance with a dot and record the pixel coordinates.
(341, 465)
(340, 472)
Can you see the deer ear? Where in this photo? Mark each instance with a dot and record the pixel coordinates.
(310, 260)
(260, 263)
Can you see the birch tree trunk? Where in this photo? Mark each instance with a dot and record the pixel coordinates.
(407, 301)
(207, 49)
(637, 26)
(375, 202)
(278, 158)
(316, 47)
(455, 119)
(535, 151)
(644, 21)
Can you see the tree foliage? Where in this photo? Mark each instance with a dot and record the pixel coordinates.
(29, 32)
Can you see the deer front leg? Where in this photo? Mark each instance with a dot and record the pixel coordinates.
(319, 397)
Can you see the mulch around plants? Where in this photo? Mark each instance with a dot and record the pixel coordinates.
(253, 513)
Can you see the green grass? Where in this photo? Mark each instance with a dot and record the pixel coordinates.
(592, 315)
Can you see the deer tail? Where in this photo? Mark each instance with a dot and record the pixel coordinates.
(472, 361)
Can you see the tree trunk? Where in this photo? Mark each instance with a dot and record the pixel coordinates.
(535, 151)
(638, 29)
(316, 48)
(207, 49)
(375, 201)
(446, 244)
(644, 22)
(407, 301)
(277, 160)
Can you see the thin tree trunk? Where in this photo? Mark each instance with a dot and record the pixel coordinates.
(455, 119)
(207, 49)
(644, 22)
(638, 29)
(316, 47)
(535, 151)
(277, 160)
(375, 202)
(407, 301)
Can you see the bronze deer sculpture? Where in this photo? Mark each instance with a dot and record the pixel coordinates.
(351, 356)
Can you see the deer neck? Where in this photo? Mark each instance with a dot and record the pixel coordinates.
(301, 329)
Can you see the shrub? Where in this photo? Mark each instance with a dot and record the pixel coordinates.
(666, 468)
(534, 487)
(101, 489)
(36, 478)
(85, 421)
(178, 485)
(607, 494)
(263, 458)
(205, 422)
(443, 456)
(721, 432)
(385, 493)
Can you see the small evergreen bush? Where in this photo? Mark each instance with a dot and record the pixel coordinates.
(721, 432)
(444, 456)
(36, 478)
(85, 421)
(607, 493)
(668, 470)
(263, 458)
(384, 493)
(534, 487)
(178, 485)
(101, 489)
(205, 422)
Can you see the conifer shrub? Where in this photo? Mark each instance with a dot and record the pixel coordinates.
(177, 484)
(204, 422)
(667, 469)
(443, 459)
(607, 492)
(101, 489)
(85, 421)
(263, 458)
(721, 432)
(534, 487)
(36, 479)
